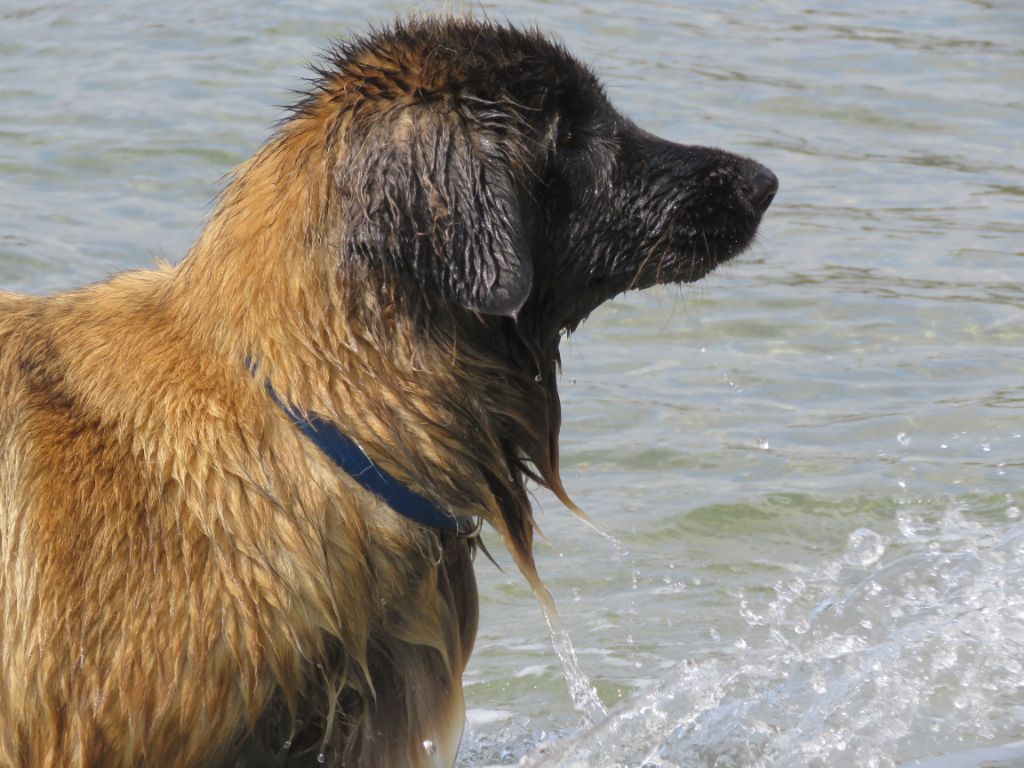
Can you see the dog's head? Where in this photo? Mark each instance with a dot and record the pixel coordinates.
(483, 196)
(486, 168)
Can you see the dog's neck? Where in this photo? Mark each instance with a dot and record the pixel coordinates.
(457, 406)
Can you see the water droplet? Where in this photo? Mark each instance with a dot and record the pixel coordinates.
(1012, 513)
(986, 447)
(287, 744)
(321, 758)
(945, 658)
(763, 444)
(907, 525)
(749, 616)
(430, 747)
(577, 595)
(903, 438)
(864, 548)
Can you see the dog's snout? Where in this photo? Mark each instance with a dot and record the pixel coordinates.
(761, 187)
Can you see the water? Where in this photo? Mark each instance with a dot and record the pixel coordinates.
(584, 696)
(855, 661)
(813, 460)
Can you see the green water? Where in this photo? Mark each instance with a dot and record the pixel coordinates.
(813, 460)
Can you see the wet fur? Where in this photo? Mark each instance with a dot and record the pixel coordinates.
(184, 579)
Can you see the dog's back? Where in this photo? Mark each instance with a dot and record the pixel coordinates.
(15, 326)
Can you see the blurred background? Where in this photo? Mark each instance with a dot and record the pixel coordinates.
(811, 462)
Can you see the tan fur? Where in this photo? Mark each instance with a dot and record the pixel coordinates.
(177, 563)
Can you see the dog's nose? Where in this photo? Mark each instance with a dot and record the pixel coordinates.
(761, 186)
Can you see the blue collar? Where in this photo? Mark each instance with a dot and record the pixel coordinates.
(349, 457)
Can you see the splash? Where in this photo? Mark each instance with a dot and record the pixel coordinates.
(897, 654)
(581, 690)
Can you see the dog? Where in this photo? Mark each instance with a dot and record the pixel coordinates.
(239, 496)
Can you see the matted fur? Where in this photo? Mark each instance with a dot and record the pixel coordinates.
(184, 579)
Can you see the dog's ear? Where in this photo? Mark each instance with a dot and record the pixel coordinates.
(434, 200)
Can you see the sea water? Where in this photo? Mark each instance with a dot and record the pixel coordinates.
(812, 459)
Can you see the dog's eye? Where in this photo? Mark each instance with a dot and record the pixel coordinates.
(566, 137)
(565, 134)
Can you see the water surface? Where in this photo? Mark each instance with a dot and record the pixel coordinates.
(813, 459)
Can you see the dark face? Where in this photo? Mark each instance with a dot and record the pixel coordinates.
(513, 187)
(617, 208)
(629, 210)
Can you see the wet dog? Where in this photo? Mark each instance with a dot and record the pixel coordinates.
(238, 496)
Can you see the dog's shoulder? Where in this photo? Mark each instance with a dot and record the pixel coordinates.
(15, 309)
(85, 417)
(77, 362)
(67, 330)
(10, 303)
(18, 324)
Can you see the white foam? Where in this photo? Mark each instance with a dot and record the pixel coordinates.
(477, 717)
(894, 652)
